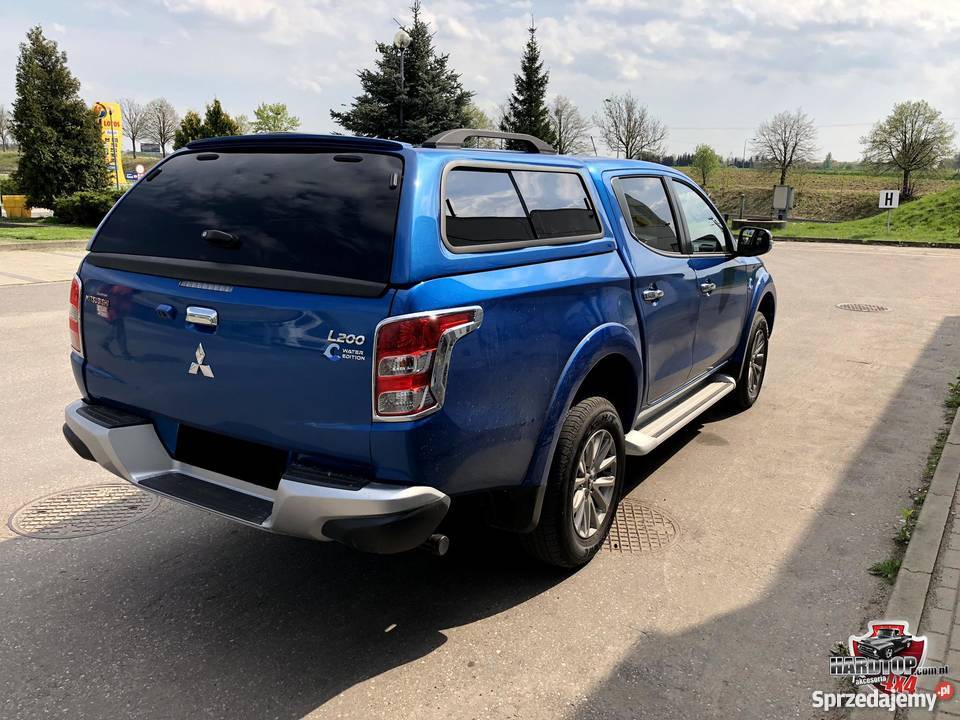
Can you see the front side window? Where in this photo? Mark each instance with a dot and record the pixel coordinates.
(706, 230)
(515, 206)
(648, 212)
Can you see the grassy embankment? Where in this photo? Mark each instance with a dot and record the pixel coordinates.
(931, 218)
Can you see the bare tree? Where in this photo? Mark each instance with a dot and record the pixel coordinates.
(627, 127)
(786, 139)
(914, 137)
(569, 126)
(162, 122)
(4, 126)
(134, 121)
(243, 124)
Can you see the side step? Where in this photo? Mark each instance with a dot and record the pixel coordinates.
(647, 437)
(217, 498)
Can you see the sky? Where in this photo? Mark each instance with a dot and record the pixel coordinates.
(709, 70)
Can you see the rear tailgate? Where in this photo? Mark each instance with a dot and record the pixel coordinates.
(296, 276)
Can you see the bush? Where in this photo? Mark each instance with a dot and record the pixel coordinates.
(8, 186)
(86, 207)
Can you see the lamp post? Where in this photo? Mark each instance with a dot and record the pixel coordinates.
(401, 41)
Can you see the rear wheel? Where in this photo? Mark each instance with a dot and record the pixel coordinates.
(754, 366)
(583, 490)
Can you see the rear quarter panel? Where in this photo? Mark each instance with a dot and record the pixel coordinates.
(504, 375)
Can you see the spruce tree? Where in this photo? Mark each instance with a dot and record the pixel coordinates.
(433, 97)
(191, 128)
(527, 108)
(60, 144)
(216, 123)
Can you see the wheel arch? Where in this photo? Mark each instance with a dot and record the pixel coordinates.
(612, 349)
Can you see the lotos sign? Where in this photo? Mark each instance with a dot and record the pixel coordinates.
(111, 131)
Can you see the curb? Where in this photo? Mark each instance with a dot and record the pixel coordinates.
(909, 596)
(44, 245)
(856, 241)
(910, 591)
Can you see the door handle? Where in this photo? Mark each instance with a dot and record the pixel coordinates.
(707, 287)
(201, 316)
(652, 294)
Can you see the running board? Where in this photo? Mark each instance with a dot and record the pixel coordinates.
(647, 437)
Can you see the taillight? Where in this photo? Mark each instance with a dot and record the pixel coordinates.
(411, 360)
(76, 292)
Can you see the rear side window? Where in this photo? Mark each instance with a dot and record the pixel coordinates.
(315, 212)
(648, 212)
(515, 207)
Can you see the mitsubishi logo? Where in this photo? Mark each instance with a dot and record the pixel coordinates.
(198, 366)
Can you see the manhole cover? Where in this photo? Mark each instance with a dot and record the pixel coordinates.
(638, 528)
(860, 307)
(82, 511)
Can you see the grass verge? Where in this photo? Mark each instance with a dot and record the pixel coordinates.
(44, 232)
(889, 568)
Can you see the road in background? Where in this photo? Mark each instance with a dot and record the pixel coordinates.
(780, 511)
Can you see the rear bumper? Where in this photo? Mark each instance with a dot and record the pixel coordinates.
(375, 517)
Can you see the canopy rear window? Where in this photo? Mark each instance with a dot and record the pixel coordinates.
(328, 213)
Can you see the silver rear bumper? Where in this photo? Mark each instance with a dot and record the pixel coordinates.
(135, 453)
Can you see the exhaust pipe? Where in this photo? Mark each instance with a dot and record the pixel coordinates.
(436, 544)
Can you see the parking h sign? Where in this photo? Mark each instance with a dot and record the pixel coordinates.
(889, 199)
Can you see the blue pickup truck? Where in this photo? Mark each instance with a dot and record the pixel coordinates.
(337, 338)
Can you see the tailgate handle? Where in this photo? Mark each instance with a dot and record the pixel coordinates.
(201, 316)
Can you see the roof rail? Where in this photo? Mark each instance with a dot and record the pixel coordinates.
(452, 139)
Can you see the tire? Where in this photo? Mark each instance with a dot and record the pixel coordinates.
(747, 390)
(888, 653)
(587, 428)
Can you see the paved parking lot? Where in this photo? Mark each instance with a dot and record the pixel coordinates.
(780, 510)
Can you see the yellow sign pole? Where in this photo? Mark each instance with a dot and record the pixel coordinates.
(111, 130)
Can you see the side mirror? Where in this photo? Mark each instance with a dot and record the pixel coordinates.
(754, 241)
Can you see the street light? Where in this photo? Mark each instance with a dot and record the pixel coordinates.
(402, 41)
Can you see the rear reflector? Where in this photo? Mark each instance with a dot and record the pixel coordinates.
(412, 359)
(76, 292)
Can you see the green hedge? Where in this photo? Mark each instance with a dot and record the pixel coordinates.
(8, 186)
(86, 207)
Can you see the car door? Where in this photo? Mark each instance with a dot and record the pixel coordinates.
(664, 283)
(722, 278)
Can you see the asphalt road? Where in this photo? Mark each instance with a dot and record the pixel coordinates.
(781, 510)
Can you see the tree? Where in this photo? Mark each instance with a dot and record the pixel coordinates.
(162, 122)
(216, 123)
(134, 118)
(828, 161)
(4, 126)
(243, 124)
(527, 107)
(706, 160)
(61, 148)
(477, 119)
(191, 128)
(627, 127)
(786, 139)
(569, 127)
(433, 98)
(912, 138)
(274, 118)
